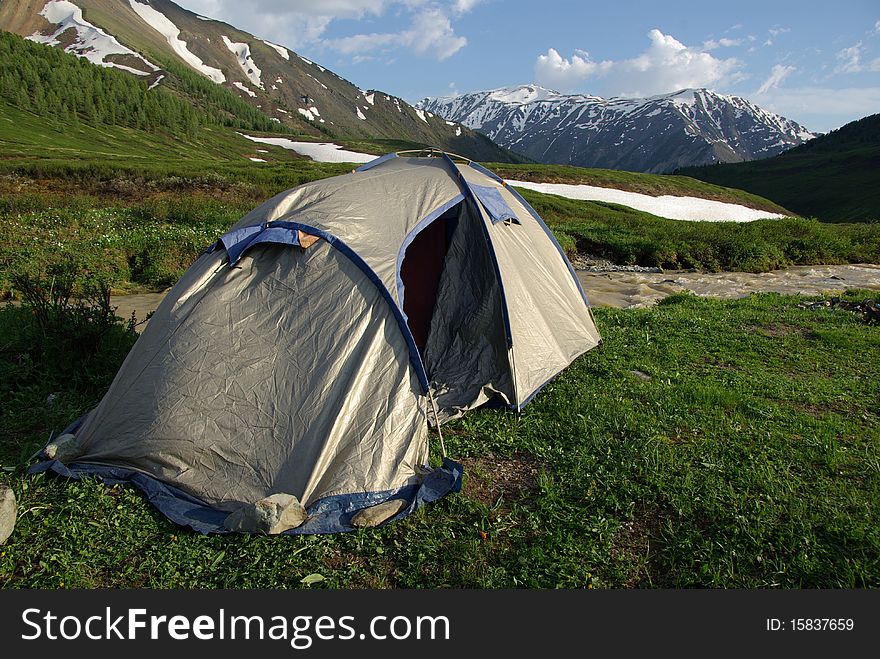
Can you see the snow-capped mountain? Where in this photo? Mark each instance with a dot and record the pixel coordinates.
(657, 134)
(149, 38)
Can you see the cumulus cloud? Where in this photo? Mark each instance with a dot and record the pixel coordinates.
(667, 65)
(779, 73)
(432, 32)
(553, 70)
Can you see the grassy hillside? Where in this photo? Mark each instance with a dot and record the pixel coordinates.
(289, 94)
(749, 459)
(835, 178)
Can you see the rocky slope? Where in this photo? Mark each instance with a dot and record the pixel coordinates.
(657, 134)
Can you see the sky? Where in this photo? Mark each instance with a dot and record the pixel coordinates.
(815, 63)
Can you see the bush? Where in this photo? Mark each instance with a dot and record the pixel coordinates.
(66, 325)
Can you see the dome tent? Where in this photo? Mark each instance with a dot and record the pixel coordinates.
(298, 362)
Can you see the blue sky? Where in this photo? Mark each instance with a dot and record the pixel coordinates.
(816, 63)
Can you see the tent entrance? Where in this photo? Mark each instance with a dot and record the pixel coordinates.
(421, 270)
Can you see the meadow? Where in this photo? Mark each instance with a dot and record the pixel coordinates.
(703, 444)
(139, 225)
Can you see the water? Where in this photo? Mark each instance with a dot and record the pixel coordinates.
(627, 290)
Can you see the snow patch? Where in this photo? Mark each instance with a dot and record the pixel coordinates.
(360, 114)
(317, 151)
(458, 131)
(159, 22)
(369, 98)
(521, 95)
(91, 42)
(281, 50)
(421, 114)
(244, 89)
(256, 160)
(156, 82)
(674, 208)
(243, 52)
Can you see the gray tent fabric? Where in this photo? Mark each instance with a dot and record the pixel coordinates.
(281, 367)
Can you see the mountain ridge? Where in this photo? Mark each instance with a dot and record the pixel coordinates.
(656, 134)
(289, 89)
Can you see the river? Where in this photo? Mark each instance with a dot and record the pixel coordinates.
(627, 290)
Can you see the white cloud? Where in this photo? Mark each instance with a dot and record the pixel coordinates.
(724, 42)
(776, 31)
(360, 43)
(779, 73)
(304, 23)
(851, 59)
(553, 70)
(667, 65)
(877, 27)
(464, 6)
(430, 32)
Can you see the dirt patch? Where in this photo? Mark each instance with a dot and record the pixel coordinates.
(774, 330)
(634, 547)
(781, 330)
(498, 480)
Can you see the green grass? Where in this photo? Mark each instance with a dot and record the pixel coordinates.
(141, 225)
(631, 237)
(750, 459)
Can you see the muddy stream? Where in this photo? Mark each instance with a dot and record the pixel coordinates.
(626, 290)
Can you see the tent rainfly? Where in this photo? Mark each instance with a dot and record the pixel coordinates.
(287, 381)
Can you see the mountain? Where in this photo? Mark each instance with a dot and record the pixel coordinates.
(656, 134)
(835, 177)
(161, 43)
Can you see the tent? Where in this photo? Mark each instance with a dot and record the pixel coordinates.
(287, 382)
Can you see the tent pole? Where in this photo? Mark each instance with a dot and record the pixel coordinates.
(515, 386)
(437, 421)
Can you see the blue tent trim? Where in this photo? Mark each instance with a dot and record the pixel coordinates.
(286, 232)
(494, 203)
(331, 514)
(238, 241)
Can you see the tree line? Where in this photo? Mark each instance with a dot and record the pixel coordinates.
(67, 90)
